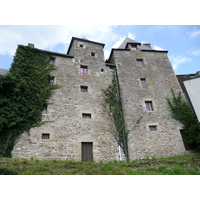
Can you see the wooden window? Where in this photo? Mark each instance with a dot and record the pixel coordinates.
(153, 128)
(87, 151)
(84, 70)
(143, 82)
(84, 88)
(86, 115)
(45, 136)
(140, 62)
(149, 105)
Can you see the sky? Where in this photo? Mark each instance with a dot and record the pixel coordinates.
(181, 41)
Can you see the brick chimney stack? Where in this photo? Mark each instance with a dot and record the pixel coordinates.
(31, 45)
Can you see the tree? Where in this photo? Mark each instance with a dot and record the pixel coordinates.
(24, 93)
(182, 112)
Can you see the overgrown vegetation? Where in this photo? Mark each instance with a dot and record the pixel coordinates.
(24, 94)
(113, 101)
(182, 112)
(177, 165)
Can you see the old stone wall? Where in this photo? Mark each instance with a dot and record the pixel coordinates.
(75, 113)
(68, 129)
(164, 138)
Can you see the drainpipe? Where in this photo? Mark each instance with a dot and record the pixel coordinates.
(119, 150)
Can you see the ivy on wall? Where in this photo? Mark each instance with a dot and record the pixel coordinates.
(113, 101)
(24, 93)
(182, 112)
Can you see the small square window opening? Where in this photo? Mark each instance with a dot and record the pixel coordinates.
(149, 105)
(81, 45)
(86, 115)
(102, 70)
(92, 54)
(45, 136)
(153, 128)
(84, 88)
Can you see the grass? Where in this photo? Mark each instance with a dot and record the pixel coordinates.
(177, 165)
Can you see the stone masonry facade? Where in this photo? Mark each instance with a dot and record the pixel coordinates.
(79, 127)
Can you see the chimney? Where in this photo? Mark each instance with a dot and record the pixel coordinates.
(31, 45)
(147, 44)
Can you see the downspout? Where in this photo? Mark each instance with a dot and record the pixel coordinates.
(119, 151)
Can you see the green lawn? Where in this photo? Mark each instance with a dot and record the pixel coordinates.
(177, 165)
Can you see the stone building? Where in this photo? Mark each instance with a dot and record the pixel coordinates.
(80, 127)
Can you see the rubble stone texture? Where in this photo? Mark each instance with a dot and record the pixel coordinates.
(156, 134)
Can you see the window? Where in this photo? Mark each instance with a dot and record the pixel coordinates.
(81, 45)
(102, 70)
(84, 70)
(45, 136)
(143, 82)
(149, 105)
(86, 115)
(133, 47)
(44, 112)
(92, 54)
(51, 79)
(52, 60)
(153, 128)
(140, 62)
(84, 88)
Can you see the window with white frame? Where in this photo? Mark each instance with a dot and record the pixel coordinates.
(84, 70)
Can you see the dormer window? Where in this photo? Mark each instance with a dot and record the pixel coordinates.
(133, 47)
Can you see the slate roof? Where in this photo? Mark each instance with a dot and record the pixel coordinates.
(142, 46)
(3, 71)
(127, 41)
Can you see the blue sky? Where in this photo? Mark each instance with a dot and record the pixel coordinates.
(181, 41)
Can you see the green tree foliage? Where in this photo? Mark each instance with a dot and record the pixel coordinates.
(113, 100)
(24, 93)
(182, 112)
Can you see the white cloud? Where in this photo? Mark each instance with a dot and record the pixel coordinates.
(194, 34)
(196, 53)
(47, 37)
(157, 47)
(178, 60)
(119, 42)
